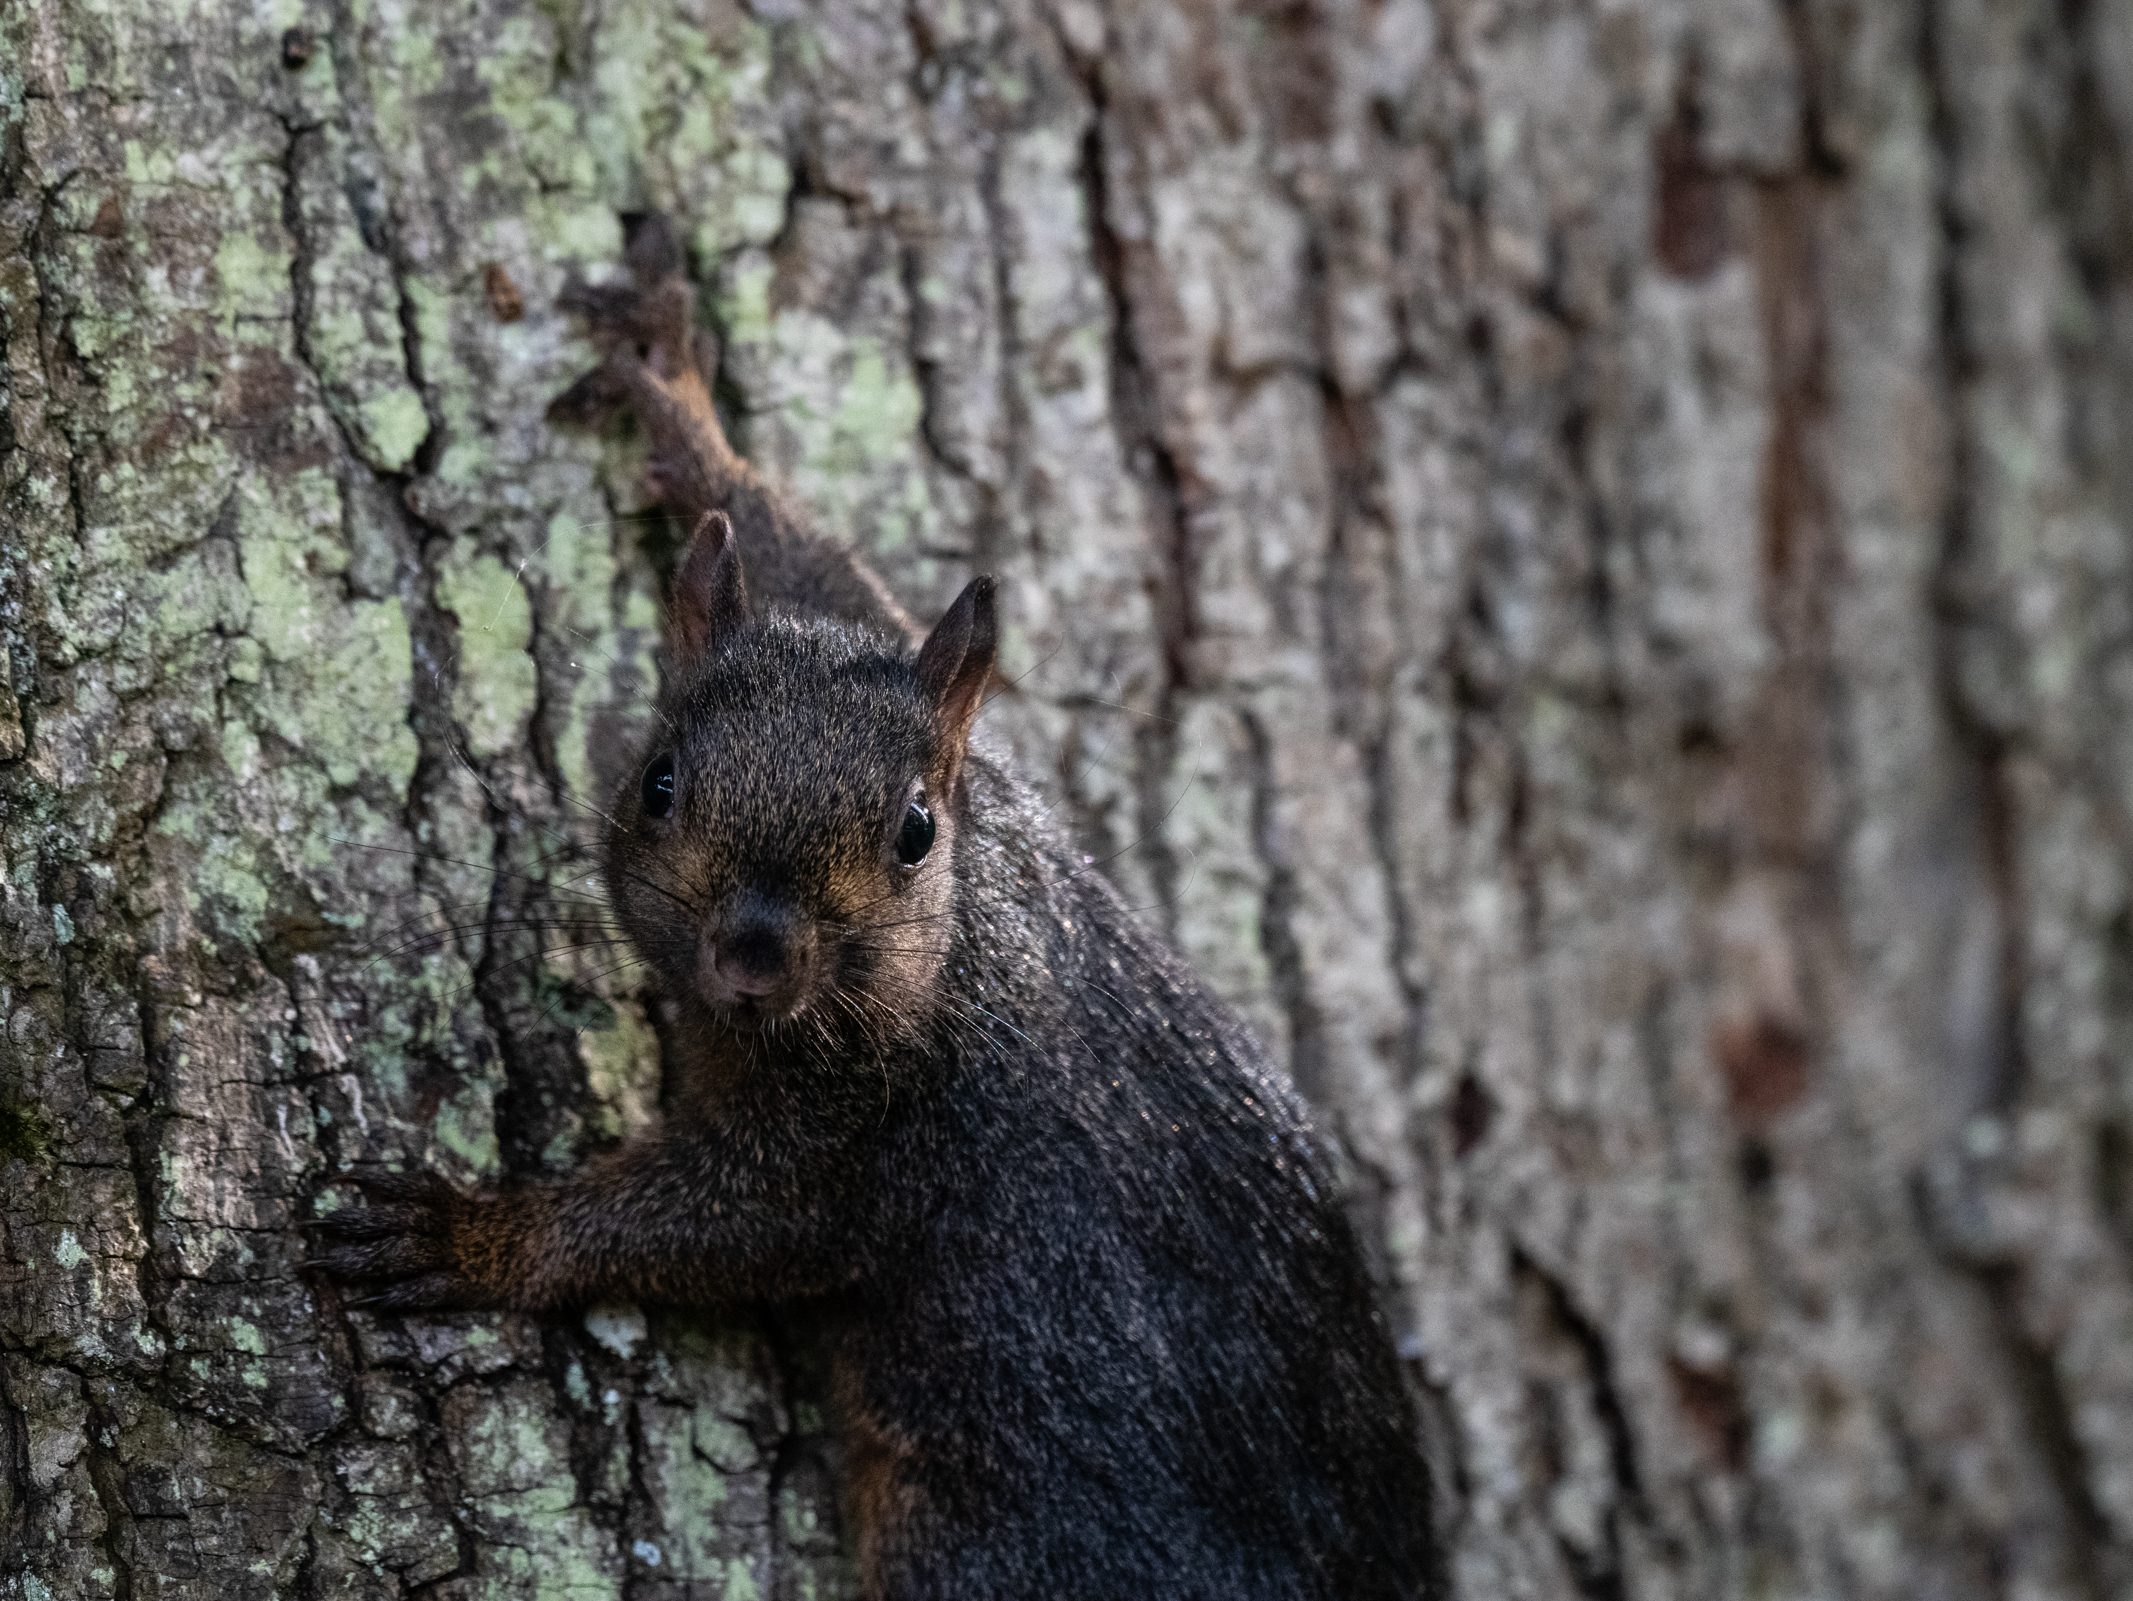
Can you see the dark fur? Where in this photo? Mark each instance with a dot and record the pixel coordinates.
(1100, 1329)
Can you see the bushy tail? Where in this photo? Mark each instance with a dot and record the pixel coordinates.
(654, 362)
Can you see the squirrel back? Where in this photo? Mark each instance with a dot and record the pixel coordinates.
(1203, 1396)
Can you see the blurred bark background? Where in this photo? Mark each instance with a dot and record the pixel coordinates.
(1577, 555)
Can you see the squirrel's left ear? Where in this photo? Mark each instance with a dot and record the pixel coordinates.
(710, 599)
(954, 667)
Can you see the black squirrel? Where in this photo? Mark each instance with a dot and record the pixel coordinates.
(1100, 1329)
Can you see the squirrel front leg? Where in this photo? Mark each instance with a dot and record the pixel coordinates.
(669, 1217)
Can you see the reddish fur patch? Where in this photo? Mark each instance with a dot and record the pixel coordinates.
(878, 1496)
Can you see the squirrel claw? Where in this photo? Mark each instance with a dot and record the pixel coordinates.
(433, 1292)
(401, 1235)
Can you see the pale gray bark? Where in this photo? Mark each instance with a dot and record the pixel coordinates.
(1577, 558)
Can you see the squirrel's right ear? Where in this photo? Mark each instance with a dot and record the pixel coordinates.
(954, 666)
(710, 600)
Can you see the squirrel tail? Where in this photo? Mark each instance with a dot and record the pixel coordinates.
(654, 362)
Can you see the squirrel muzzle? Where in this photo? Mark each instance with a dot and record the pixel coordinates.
(758, 959)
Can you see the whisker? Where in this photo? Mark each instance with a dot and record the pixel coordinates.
(1120, 706)
(548, 1011)
(621, 664)
(430, 944)
(455, 861)
(578, 915)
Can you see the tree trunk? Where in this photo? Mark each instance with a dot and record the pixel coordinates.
(1578, 559)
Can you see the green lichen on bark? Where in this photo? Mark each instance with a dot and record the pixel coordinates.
(294, 569)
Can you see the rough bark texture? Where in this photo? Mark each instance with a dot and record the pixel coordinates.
(1577, 557)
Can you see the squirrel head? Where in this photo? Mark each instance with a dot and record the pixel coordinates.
(787, 851)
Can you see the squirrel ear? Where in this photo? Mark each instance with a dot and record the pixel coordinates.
(954, 667)
(710, 598)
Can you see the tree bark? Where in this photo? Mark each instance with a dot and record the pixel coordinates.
(1578, 559)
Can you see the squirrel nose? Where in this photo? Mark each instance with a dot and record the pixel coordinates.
(757, 951)
(753, 962)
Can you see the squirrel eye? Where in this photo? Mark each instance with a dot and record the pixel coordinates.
(658, 788)
(916, 836)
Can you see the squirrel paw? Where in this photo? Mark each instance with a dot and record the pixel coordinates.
(405, 1239)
